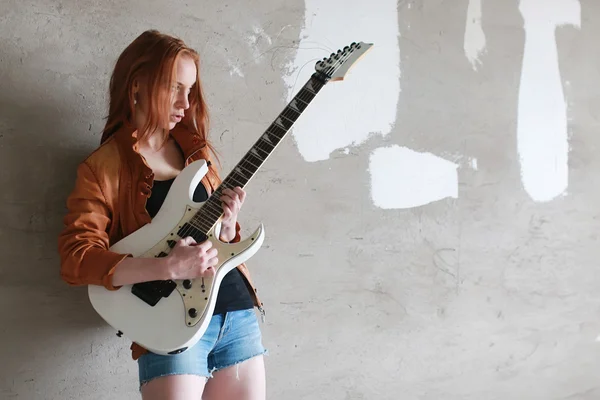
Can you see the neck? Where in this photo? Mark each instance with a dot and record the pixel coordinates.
(152, 141)
(155, 142)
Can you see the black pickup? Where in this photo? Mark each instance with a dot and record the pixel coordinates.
(152, 292)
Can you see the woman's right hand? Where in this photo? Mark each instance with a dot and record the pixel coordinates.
(189, 260)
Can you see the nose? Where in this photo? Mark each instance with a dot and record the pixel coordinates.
(182, 101)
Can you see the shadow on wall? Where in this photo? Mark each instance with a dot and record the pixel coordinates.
(40, 313)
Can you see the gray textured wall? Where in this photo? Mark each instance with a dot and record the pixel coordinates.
(487, 296)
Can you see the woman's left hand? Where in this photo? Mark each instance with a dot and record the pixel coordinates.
(232, 200)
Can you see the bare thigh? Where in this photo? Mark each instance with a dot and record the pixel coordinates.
(174, 387)
(245, 381)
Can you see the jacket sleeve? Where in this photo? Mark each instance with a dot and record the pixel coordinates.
(83, 244)
(237, 236)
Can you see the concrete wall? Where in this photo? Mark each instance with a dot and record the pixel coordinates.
(421, 244)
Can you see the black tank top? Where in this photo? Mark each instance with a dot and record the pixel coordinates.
(233, 292)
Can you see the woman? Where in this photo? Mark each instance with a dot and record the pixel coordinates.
(158, 124)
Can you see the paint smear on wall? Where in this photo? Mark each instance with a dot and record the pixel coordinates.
(257, 39)
(404, 178)
(346, 113)
(234, 69)
(542, 132)
(474, 44)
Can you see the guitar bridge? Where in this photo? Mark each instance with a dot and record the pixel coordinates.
(151, 292)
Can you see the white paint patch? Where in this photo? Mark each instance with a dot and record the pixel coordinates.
(542, 122)
(474, 37)
(404, 178)
(346, 113)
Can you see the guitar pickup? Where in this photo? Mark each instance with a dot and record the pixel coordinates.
(152, 292)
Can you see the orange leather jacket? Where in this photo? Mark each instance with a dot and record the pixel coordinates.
(108, 203)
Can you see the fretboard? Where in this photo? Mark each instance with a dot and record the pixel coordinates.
(210, 212)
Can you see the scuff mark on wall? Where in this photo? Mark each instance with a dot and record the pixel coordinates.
(346, 113)
(474, 41)
(404, 178)
(234, 69)
(474, 164)
(257, 39)
(542, 132)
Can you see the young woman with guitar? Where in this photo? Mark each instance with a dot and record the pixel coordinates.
(157, 124)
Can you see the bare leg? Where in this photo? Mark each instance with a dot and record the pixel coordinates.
(245, 381)
(174, 387)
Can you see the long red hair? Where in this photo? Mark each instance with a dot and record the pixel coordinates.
(151, 59)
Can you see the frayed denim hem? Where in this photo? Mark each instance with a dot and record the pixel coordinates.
(265, 352)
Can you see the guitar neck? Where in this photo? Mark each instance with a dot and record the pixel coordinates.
(210, 212)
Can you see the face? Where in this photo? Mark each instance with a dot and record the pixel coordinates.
(185, 78)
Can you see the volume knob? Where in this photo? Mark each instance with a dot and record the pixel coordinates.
(193, 313)
(187, 284)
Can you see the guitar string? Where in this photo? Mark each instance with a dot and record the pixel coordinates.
(306, 97)
(261, 142)
(261, 145)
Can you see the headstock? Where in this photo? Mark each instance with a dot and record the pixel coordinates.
(336, 66)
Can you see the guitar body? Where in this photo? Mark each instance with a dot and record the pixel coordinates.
(168, 317)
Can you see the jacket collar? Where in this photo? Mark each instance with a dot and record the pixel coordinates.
(189, 142)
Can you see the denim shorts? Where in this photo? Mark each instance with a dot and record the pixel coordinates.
(229, 339)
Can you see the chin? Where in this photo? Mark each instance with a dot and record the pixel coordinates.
(172, 125)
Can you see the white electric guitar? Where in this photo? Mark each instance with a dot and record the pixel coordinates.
(168, 317)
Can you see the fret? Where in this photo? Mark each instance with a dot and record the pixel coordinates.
(277, 129)
(248, 166)
(294, 106)
(212, 213)
(275, 137)
(246, 170)
(309, 87)
(290, 111)
(253, 159)
(235, 180)
(302, 101)
(266, 138)
(243, 172)
(279, 123)
(292, 120)
(213, 210)
(263, 154)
